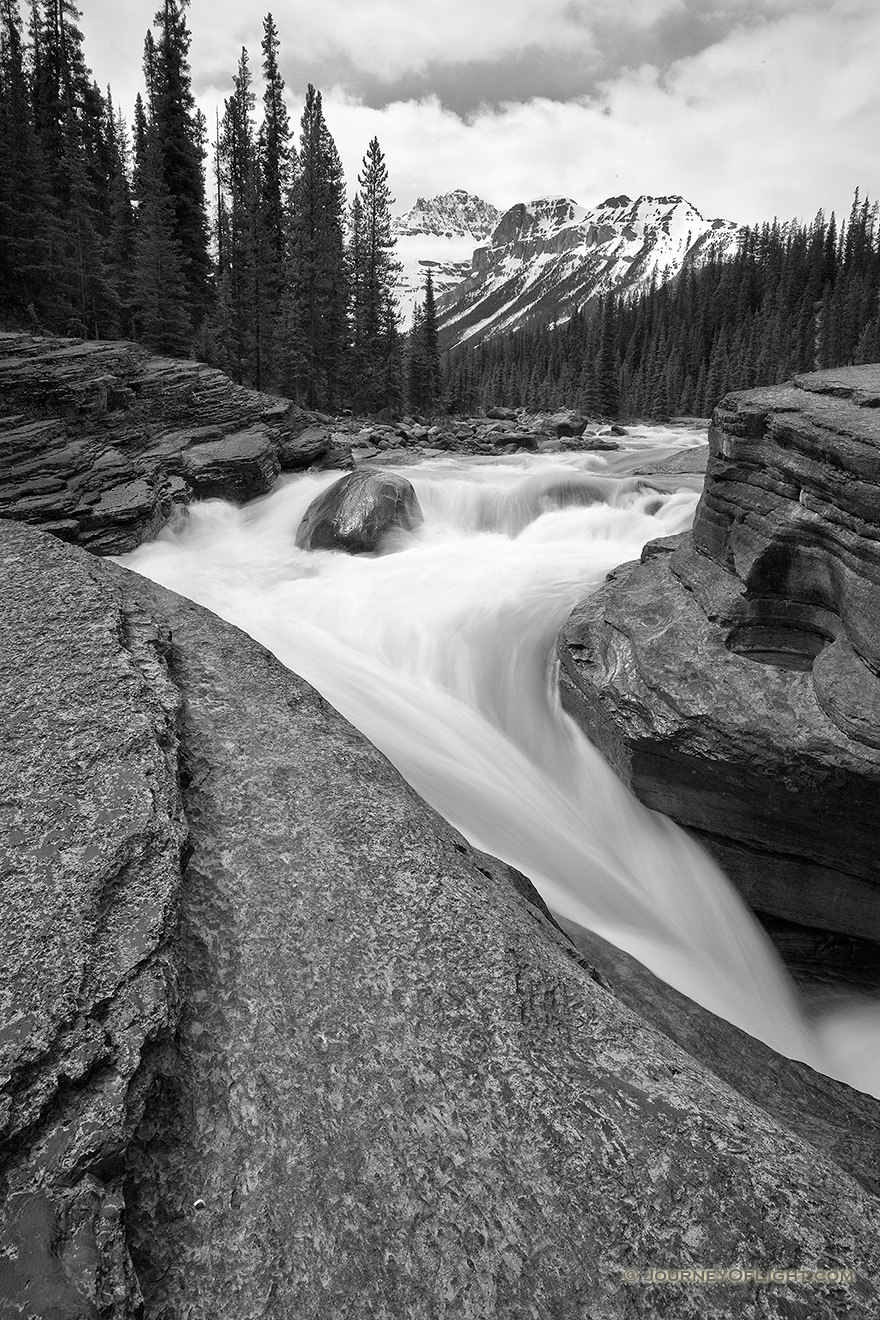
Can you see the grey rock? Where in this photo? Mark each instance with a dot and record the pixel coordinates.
(568, 423)
(691, 461)
(391, 1085)
(731, 679)
(358, 513)
(91, 831)
(100, 440)
(502, 414)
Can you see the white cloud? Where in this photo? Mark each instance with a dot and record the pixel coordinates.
(779, 116)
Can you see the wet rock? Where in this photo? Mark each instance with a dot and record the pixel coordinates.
(691, 461)
(568, 423)
(358, 512)
(299, 451)
(516, 439)
(731, 679)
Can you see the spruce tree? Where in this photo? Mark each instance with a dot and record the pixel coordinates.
(160, 295)
(238, 326)
(275, 166)
(318, 302)
(179, 131)
(373, 276)
(28, 229)
(425, 373)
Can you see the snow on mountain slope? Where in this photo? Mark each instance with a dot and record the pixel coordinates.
(546, 258)
(440, 234)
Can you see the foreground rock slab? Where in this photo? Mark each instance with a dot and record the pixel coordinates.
(91, 833)
(731, 678)
(373, 1077)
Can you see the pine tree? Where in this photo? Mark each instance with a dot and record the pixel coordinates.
(373, 273)
(318, 293)
(425, 375)
(275, 166)
(27, 222)
(180, 141)
(160, 295)
(239, 326)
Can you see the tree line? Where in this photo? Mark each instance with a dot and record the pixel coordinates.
(790, 298)
(106, 232)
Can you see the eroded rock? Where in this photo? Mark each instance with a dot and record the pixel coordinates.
(731, 678)
(358, 513)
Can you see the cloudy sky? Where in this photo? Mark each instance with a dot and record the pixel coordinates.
(749, 108)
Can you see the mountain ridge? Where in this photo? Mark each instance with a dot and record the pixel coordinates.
(549, 256)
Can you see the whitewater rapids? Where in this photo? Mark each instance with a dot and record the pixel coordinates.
(441, 652)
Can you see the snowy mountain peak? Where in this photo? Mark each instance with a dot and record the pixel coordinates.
(456, 213)
(439, 234)
(549, 256)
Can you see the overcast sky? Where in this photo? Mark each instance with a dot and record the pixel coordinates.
(748, 108)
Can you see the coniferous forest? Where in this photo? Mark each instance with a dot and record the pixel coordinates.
(790, 298)
(111, 230)
(242, 249)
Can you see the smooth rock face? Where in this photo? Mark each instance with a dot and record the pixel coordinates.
(391, 1088)
(731, 677)
(358, 512)
(91, 831)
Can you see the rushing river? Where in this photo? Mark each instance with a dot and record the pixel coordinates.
(442, 653)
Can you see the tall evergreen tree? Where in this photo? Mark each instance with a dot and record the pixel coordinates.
(317, 252)
(275, 156)
(373, 275)
(425, 374)
(160, 295)
(180, 137)
(239, 324)
(27, 222)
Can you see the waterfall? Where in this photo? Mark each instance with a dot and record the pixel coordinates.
(441, 652)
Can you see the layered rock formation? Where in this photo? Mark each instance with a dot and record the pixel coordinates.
(731, 677)
(99, 442)
(330, 1060)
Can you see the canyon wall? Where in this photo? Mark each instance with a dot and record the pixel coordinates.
(731, 677)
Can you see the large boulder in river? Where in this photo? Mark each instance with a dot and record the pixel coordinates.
(358, 513)
(568, 423)
(327, 1059)
(731, 678)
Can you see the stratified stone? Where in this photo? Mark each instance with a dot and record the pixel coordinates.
(731, 678)
(358, 513)
(102, 440)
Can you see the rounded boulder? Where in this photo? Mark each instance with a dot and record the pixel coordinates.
(358, 512)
